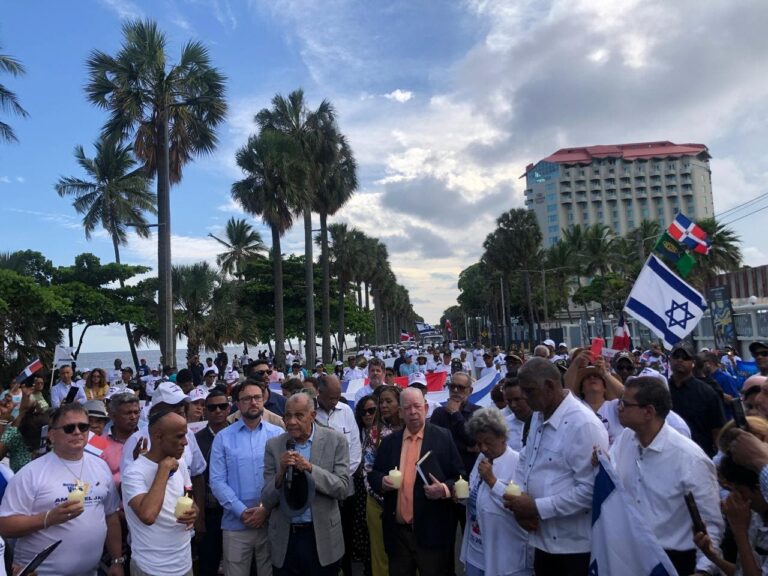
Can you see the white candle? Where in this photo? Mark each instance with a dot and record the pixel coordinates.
(77, 495)
(183, 505)
(513, 489)
(396, 477)
(461, 488)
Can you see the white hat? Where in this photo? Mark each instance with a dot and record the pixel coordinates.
(417, 378)
(114, 390)
(339, 363)
(409, 354)
(210, 369)
(169, 393)
(84, 370)
(562, 345)
(549, 342)
(651, 373)
(198, 393)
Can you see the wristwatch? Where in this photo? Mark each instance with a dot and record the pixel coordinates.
(120, 560)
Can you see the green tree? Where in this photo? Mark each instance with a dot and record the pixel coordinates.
(272, 189)
(724, 255)
(171, 112)
(316, 136)
(341, 253)
(116, 195)
(242, 243)
(336, 187)
(8, 100)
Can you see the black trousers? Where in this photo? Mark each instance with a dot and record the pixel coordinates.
(684, 561)
(546, 564)
(301, 557)
(210, 547)
(347, 512)
(410, 559)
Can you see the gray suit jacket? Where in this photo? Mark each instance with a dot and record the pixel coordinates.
(330, 471)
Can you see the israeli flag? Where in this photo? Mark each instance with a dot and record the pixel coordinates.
(660, 300)
(621, 541)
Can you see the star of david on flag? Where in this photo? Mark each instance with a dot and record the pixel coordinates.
(664, 303)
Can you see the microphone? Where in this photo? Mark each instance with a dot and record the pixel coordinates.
(289, 445)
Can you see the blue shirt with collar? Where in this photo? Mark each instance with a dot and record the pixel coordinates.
(305, 450)
(237, 469)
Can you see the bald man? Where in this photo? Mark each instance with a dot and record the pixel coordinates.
(152, 484)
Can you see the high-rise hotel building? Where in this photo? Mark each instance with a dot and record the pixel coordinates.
(619, 186)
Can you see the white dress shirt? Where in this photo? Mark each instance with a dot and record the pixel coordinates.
(342, 419)
(555, 469)
(60, 390)
(516, 428)
(488, 370)
(657, 479)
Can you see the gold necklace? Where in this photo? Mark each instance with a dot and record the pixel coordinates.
(79, 484)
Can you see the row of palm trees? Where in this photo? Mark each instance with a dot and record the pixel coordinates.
(539, 283)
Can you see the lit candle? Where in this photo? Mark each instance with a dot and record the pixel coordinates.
(396, 477)
(183, 505)
(513, 489)
(461, 488)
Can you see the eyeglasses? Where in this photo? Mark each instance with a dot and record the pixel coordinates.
(212, 407)
(82, 427)
(249, 399)
(457, 387)
(370, 411)
(261, 372)
(624, 404)
(762, 353)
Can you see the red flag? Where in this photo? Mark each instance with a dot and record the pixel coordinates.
(448, 327)
(621, 337)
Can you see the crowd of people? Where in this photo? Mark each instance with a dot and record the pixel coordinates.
(249, 468)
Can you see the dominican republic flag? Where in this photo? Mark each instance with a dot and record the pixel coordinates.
(664, 303)
(615, 523)
(29, 370)
(96, 444)
(404, 336)
(689, 233)
(448, 327)
(622, 340)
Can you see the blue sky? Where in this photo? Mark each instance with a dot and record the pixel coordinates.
(444, 103)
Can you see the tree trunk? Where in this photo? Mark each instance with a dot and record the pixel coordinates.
(367, 304)
(326, 310)
(360, 294)
(309, 290)
(165, 291)
(277, 275)
(340, 342)
(128, 334)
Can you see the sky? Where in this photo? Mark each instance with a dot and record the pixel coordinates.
(444, 103)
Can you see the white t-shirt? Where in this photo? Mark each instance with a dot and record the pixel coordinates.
(477, 354)
(44, 483)
(162, 549)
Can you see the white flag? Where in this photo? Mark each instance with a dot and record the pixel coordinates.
(664, 303)
(621, 541)
(62, 356)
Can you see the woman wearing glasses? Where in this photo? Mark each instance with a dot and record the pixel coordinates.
(387, 421)
(96, 385)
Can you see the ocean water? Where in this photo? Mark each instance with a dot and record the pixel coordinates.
(106, 360)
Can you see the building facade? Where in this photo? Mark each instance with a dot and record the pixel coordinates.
(619, 186)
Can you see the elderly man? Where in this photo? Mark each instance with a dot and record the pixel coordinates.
(418, 524)
(65, 389)
(556, 472)
(152, 485)
(312, 542)
(658, 466)
(237, 481)
(376, 368)
(340, 417)
(36, 507)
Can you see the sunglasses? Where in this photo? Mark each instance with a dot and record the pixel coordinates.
(82, 427)
(458, 387)
(370, 411)
(762, 353)
(212, 407)
(262, 372)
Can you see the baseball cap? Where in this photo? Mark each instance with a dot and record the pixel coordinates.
(197, 393)
(168, 393)
(755, 346)
(623, 356)
(339, 363)
(685, 347)
(96, 409)
(651, 373)
(417, 380)
(114, 390)
(549, 342)
(409, 354)
(562, 345)
(512, 358)
(210, 370)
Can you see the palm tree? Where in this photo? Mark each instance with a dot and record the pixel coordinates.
(646, 235)
(242, 243)
(598, 251)
(116, 195)
(8, 100)
(336, 189)
(341, 252)
(272, 188)
(171, 112)
(193, 287)
(315, 134)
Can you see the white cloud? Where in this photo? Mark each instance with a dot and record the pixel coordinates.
(60, 219)
(125, 9)
(5, 180)
(399, 95)
(754, 256)
(184, 250)
(20, 179)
